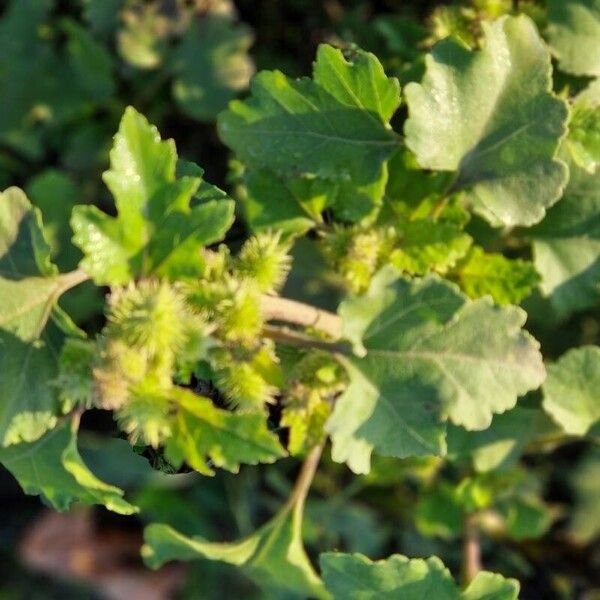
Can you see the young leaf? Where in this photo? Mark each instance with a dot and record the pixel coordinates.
(156, 231)
(273, 557)
(354, 577)
(574, 35)
(491, 117)
(203, 431)
(426, 245)
(506, 281)
(572, 390)
(583, 140)
(429, 354)
(30, 286)
(52, 467)
(566, 246)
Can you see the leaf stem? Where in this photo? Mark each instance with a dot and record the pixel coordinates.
(471, 549)
(305, 478)
(291, 337)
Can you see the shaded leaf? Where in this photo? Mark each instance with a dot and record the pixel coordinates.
(501, 444)
(211, 65)
(572, 389)
(566, 246)
(574, 35)
(585, 481)
(273, 557)
(30, 286)
(52, 467)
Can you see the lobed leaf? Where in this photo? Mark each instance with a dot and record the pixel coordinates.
(490, 116)
(428, 354)
(354, 576)
(159, 229)
(334, 126)
(202, 431)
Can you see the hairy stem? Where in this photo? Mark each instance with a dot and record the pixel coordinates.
(471, 549)
(298, 313)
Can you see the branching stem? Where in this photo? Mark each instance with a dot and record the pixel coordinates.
(71, 279)
(298, 313)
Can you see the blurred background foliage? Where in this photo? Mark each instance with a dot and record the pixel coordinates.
(67, 70)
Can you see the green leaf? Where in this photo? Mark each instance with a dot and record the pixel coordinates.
(490, 117)
(52, 467)
(46, 85)
(143, 39)
(157, 230)
(306, 122)
(585, 481)
(354, 576)
(566, 246)
(410, 191)
(334, 126)
(55, 194)
(500, 445)
(429, 354)
(526, 518)
(90, 61)
(271, 202)
(426, 245)
(506, 281)
(572, 390)
(211, 65)
(490, 586)
(359, 81)
(438, 513)
(273, 557)
(574, 35)
(203, 431)
(583, 140)
(30, 286)
(102, 15)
